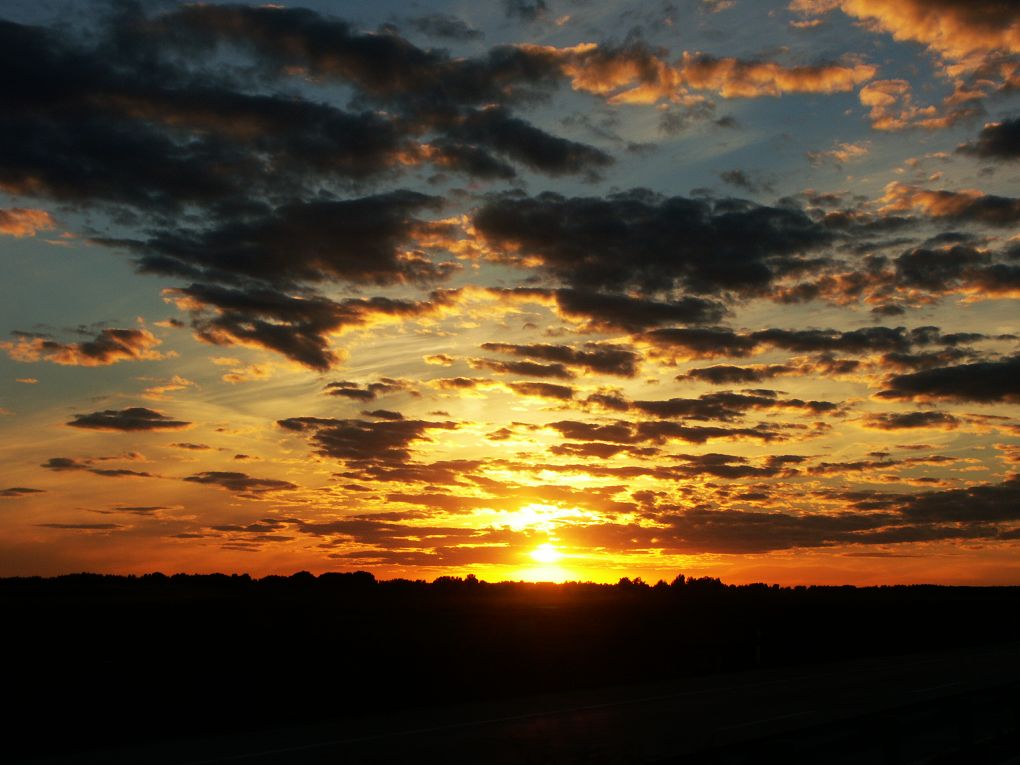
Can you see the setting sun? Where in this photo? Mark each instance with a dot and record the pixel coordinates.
(546, 553)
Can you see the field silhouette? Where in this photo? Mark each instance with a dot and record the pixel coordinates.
(112, 660)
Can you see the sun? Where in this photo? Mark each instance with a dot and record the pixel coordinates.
(546, 553)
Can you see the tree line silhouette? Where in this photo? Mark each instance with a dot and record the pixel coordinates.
(102, 659)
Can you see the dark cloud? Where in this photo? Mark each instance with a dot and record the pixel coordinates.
(905, 420)
(526, 10)
(959, 206)
(603, 311)
(18, 491)
(383, 414)
(529, 368)
(542, 390)
(703, 342)
(68, 463)
(356, 240)
(937, 269)
(735, 531)
(990, 502)
(368, 391)
(867, 340)
(522, 142)
(593, 357)
(131, 419)
(296, 326)
(657, 432)
(724, 374)
(239, 483)
(997, 140)
(634, 314)
(985, 382)
(471, 160)
(430, 90)
(709, 342)
(385, 67)
(639, 239)
(743, 180)
(386, 441)
(445, 27)
(190, 446)
(727, 406)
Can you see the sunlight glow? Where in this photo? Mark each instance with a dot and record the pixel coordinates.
(546, 553)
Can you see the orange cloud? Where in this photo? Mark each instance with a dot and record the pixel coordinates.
(160, 390)
(839, 154)
(977, 42)
(968, 204)
(891, 107)
(956, 30)
(108, 347)
(733, 78)
(638, 75)
(20, 222)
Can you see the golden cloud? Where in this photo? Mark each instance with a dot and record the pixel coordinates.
(20, 222)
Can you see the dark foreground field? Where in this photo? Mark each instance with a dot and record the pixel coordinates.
(342, 668)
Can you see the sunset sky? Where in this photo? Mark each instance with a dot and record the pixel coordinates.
(531, 289)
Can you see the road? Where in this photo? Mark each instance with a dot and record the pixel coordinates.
(922, 708)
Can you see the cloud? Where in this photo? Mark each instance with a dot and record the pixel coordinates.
(110, 346)
(940, 269)
(525, 10)
(997, 140)
(529, 368)
(16, 492)
(891, 106)
(296, 326)
(602, 311)
(956, 29)
(357, 240)
(968, 205)
(976, 44)
(499, 131)
(839, 155)
(638, 74)
(593, 357)
(159, 391)
(645, 241)
(384, 386)
(445, 27)
(20, 222)
(743, 180)
(733, 78)
(990, 502)
(658, 432)
(725, 374)
(984, 382)
(239, 483)
(703, 342)
(387, 441)
(905, 420)
(62, 464)
(727, 405)
(712, 342)
(542, 390)
(131, 419)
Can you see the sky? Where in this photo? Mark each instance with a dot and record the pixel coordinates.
(532, 289)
